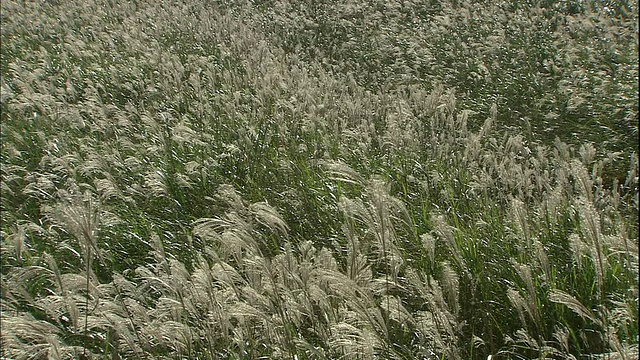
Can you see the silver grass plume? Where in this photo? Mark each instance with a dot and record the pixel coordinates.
(446, 233)
(561, 297)
(525, 273)
(591, 231)
(521, 216)
(80, 215)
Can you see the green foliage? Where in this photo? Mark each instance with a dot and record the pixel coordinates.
(319, 180)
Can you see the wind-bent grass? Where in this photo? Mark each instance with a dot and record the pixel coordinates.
(315, 180)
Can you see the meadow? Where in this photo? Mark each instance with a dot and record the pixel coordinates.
(313, 179)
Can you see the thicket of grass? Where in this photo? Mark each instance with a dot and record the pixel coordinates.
(319, 180)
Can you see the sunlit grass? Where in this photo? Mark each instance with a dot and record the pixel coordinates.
(315, 180)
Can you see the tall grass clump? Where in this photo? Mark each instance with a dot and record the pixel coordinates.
(319, 180)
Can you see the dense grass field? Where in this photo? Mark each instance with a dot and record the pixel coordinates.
(436, 179)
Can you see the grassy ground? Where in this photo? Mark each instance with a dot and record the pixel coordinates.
(311, 180)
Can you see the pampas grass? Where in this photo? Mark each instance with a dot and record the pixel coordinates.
(314, 180)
